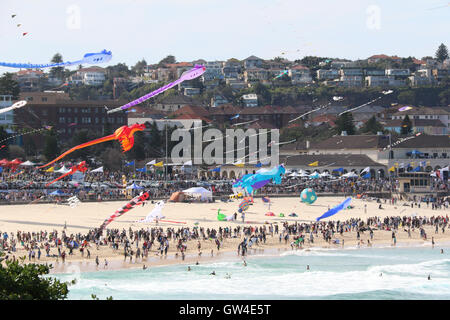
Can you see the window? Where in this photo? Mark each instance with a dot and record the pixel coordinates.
(75, 110)
(44, 99)
(96, 120)
(62, 120)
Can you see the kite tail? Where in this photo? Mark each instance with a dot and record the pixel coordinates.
(64, 175)
(84, 145)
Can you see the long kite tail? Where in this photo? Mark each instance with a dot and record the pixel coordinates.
(38, 66)
(146, 97)
(81, 146)
(64, 175)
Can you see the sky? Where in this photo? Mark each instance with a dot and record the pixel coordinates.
(220, 29)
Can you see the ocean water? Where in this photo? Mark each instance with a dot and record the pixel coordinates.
(369, 273)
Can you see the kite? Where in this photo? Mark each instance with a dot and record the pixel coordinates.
(367, 103)
(259, 180)
(29, 132)
(3, 146)
(281, 74)
(234, 117)
(79, 167)
(16, 105)
(23, 34)
(19, 25)
(338, 98)
(241, 123)
(344, 204)
(155, 214)
(195, 72)
(13, 16)
(273, 143)
(405, 108)
(89, 58)
(124, 134)
(308, 196)
(140, 199)
(322, 107)
(244, 205)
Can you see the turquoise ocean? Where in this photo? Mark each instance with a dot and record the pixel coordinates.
(351, 273)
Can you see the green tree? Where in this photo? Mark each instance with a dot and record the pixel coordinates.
(372, 126)
(139, 67)
(442, 53)
(406, 126)
(3, 135)
(167, 60)
(19, 281)
(345, 123)
(407, 97)
(57, 72)
(8, 86)
(51, 149)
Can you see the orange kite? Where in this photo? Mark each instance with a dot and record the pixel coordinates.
(79, 167)
(124, 134)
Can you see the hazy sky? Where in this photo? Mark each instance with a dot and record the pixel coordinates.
(220, 29)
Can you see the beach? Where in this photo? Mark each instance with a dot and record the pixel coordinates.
(87, 216)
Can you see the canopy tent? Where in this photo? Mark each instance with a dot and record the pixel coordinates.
(294, 174)
(57, 193)
(314, 175)
(63, 170)
(98, 170)
(27, 164)
(325, 174)
(14, 162)
(134, 186)
(177, 196)
(4, 162)
(304, 175)
(350, 175)
(199, 192)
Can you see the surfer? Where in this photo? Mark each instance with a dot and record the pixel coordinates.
(144, 267)
(212, 273)
(307, 267)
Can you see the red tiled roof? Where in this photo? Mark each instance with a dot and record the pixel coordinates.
(28, 71)
(191, 110)
(179, 65)
(192, 117)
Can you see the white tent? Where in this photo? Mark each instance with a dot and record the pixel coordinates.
(199, 192)
(27, 164)
(63, 170)
(98, 170)
(350, 175)
(325, 174)
(294, 174)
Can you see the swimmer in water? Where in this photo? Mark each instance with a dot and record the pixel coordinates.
(442, 251)
(227, 276)
(189, 268)
(429, 277)
(307, 267)
(212, 273)
(245, 263)
(144, 267)
(197, 263)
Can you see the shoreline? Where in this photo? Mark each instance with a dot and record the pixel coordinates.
(117, 264)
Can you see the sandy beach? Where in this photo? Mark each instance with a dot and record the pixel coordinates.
(87, 216)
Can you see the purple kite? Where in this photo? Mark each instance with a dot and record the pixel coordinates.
(195, 72)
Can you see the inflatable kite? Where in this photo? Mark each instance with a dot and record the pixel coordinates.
(195, 72)
(344, 204)
(259, 180)
(124, 134)
(405, 108)
(156, 213)
(140, 199)
(244, 205)
(89, 58)
(281, 74)
(16, 105)
(308, 196)
(222, 217)
(79, 167)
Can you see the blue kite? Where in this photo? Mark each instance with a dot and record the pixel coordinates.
(344, 204)
(89, 58)
(251, 182)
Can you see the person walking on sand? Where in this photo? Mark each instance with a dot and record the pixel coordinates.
(394, 238)
(96, 261)
(106, 263)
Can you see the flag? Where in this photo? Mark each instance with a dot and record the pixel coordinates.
(258, 165)
(396, 164)
(367, 175)
(416, 169)
(131, 163)
(392, 169)
(142, 170)
(412, 164)
(339, 169)
(367, 169)
(422, 163)
(239, 164)
(314, 164)
(159, 164)
(215, 169)
(50, 169)
(402, 165)
(234, 117)
(1, 169)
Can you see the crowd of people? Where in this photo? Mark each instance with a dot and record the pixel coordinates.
(139, 244)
